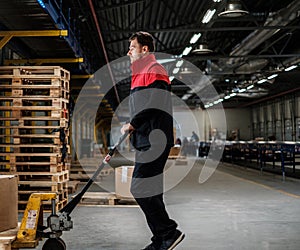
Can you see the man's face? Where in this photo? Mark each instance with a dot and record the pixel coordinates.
(135, 51)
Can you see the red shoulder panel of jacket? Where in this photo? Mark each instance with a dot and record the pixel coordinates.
(147, 70)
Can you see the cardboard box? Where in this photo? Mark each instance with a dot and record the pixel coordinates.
(8, 202)
(123, 176)
(174, 151)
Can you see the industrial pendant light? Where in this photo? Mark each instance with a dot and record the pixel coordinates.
(233, 9)
(202, 49)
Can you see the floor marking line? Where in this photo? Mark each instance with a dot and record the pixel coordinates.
(266, 187)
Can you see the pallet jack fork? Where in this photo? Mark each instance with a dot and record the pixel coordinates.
(32, 230)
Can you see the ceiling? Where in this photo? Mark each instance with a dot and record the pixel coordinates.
(245, 50)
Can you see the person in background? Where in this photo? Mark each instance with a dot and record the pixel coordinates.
(150, 113)
(233, 136)
(184, 149)
(194, 137)
(178, 142)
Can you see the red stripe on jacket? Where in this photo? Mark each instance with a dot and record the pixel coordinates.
(146, 70)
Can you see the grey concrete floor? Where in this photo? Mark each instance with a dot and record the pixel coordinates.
(235, 209)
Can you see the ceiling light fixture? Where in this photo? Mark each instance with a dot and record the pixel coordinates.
(41, 2)
(202, 49)
(272, 76)
(186, 51)
(208, 15)
(291, 68)
(233, 9)
(175, 71)
(262, 81)
(195, 38)
(186, 70)
(179, 63)
(186, 96)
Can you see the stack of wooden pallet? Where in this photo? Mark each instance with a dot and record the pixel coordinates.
(84, 169)
(34, 130)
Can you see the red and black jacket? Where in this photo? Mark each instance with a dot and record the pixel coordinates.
(150, 102)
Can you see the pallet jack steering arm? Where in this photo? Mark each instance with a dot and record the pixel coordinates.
(74, 202)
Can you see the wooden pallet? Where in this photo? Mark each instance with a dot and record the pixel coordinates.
(17, 113)
(34, 167)
(72, 186)
(32, 148)
(7, 237)
(83, 174)
(40, 177)
(82, 170)
(50, 158)
(174, 157)
(33, 109)
(43, 186)
(174, 153)
(30, 92)
(104, 198)
(50, 121)
(32, 101)
(34, 72)
(17, 87)
(43, 176)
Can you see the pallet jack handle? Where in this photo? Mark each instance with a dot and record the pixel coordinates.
(74, 202)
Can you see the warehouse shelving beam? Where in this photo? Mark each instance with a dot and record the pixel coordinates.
(38, 62)
(55, 11)
(7, 35)
(86, 76)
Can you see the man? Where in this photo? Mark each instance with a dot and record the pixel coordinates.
(151, 128)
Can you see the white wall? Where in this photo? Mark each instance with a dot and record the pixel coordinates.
(202, 121)
(239, 119)
(187, 120)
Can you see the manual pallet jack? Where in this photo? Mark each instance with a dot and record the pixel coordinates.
(32, 229)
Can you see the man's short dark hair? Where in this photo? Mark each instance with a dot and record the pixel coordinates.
(145, 39)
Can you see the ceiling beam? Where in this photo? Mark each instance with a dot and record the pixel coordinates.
(212, 57)
(205, 29)
(42, 61)
(5, 40)
(7, 35)
(119, 5)
(34, 33)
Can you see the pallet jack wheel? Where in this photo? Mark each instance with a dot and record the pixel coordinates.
(54, 244)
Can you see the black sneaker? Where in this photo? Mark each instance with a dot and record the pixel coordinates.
(172, 242)
(152, 246)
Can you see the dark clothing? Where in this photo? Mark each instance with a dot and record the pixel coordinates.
(150, 102)
(151, 109)
(151, 115)
(194, 137)
(147, 188)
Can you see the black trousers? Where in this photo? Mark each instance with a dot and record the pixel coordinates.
(147, 189)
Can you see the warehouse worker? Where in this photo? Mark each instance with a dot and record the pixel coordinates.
(151, 125)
